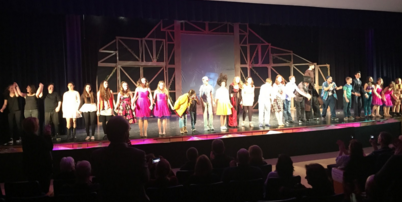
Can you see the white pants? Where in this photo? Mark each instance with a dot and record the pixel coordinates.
(264, 110)
(208, 116)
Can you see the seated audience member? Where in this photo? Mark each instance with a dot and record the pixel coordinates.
(284, 168)
(67, 169)
(163, 175)
(203, 172)
(218, 157)
(343, 156)
(37, 153)
(317, 177)
(83, 183)
(356, 170)
(256, 158)
(192, 155)
(151, 165)
(379, 156)
(386, 184)
(121, 170)
(243, 171)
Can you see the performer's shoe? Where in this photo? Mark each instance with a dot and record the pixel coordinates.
(345, 119)
(251, 124)
(193, 129)
(334, 119)
(260, 125)
(87, 138)
(267, 125)
(212, 130)
(351, 118)
(10, 142)
(93, 138)
(185, 129)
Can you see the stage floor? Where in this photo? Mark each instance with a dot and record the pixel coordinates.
(173, 132)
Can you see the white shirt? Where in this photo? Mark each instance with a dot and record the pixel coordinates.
(222, 94)
(248, 95)
(265, 92)
(206, 92)
(277, 90)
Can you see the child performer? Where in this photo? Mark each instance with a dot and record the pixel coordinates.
(278, 93)
(105, 104)
(377, 100)
(180, 106)
(142, 103)
(206, 91)
(248, 100)
(387, 96)
(398, 97)
(193, 111)
(224, 107)
(347, 99)
(368, 96)
(71, 102)
(264, 103)
(88, 110)
(123, 106)
(161, 110)
(235, 99)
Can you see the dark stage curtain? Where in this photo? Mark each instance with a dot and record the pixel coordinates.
(212, 11)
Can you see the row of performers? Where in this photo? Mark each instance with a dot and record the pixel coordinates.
(138, 106)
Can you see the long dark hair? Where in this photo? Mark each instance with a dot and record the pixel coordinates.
(85, 94)
(104, 93)
(369, 82)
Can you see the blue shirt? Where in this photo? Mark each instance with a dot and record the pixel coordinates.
(329, 92)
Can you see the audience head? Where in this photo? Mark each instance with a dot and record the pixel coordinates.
(203, 166)
(162, 169)
(384, 139)
(355, 149)
(83, 171)
(255, 153)
(117, 130)
(67, 164)
(284, 166)
(30, 125)
(192, 154)
(218, 147)
(316, 175)
(242, 156)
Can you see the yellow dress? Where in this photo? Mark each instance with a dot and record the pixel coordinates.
(223, 107)
(181, 104)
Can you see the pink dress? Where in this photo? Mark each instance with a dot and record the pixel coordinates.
(142, 105)
(377, 101)
(388, 99)
(125, 109)
(161, 109)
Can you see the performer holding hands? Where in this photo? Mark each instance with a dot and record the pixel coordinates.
(206, 91)
(88, 110)
(235, 99)
(71, 102)
(264, 103)
(143, 105)
(224, 107)
(105, 104)
(161, 110)
(377, 98)
(124, 105)
(248, 100)
(398, 97)
(368, 96)
(31, 99)
(329, 96)
(387, 96)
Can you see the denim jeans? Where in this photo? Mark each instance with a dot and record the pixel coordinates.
(193, 119)
(367, 104)
(329, 102)
(346, 107)
(183, 121)
(286, 110)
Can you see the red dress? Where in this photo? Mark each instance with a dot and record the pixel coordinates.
(233, 119)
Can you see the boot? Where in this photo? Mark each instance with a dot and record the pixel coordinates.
(182, 130)
(73, 139)
(68, 134)
(185, 129)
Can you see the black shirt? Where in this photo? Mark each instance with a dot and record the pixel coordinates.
(193, 106)
(52, 101)
(12, 103)
(31, 102)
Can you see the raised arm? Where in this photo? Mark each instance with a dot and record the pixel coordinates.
(4, 106)
(17, 89)
(39, 92)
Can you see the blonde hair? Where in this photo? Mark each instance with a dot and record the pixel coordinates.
(164, 90)
(122, 92)
(240, 82)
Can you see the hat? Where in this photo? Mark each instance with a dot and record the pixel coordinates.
(328, 77)
(205, 78)
(307, 79)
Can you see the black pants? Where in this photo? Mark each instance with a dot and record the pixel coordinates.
(90, 120)
(357, 105)
(52, 118)
(247, 110)
(31, 113)
(14, 120)
(104, 119)
(300, 112)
